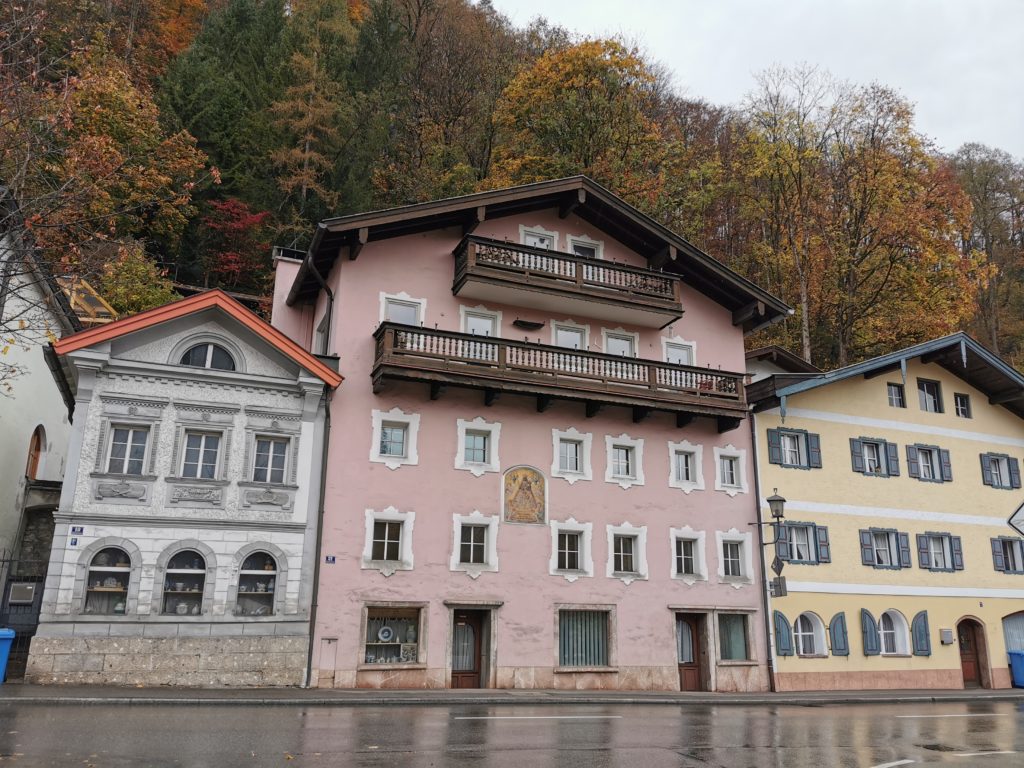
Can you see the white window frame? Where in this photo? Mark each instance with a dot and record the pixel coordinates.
(686, 486)
(493, 431)
(745, 540)
(731, 452)
(479, 311)
(678, 341)
(933, 463)
(273, 438)
(789, 441)
(412, 428)
(622, 333)
(700, 562)
(536, 229)
(901, 633)
(892, 548)
(115, 425)
(597, 245)
(389, 515)
(817, 634)
(403, 298)
(585, 439)
(585, 531)
(1013, 550)
(881, 455)
(637, 446)
(639, 536)
(944, 545)
(999, 470)
(571, 324)
(901, 389)
(218, 472)
(812, 543)
(968, 412)
(473, 570)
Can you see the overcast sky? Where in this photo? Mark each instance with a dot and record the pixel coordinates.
(961, 62)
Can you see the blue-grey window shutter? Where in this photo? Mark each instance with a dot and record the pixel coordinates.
(997, 555)
(947, 465)
(869, 629)
(913, 465)
(1014, 472)
(824, 548)
(867, 548)
(783, 636)
(957, 547)
(857, 455)
(814, 451)
(924, 553)
(986, 469)
(837, 632)
(893, 454)
(919, 635)
(774, 447)
(904, 542)
(782, 548)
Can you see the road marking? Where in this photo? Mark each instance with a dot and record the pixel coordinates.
(982, 754)
(971, 714)
(893, 765)
(542, 717)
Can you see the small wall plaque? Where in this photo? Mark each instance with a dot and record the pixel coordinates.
(329, 559)
(79, 529)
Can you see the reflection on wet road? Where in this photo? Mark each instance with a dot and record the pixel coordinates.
(562, 736)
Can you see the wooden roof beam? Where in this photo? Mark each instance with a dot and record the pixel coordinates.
(475, 219)
(882, 371)
(357, 245)
(572, 203)
(1006, 397)
(662, 257)
(751, 311)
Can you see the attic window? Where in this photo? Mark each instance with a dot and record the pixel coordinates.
(208, 356)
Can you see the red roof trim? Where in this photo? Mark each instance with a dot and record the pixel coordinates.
(207, 300)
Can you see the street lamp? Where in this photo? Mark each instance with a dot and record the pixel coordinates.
(776, 504)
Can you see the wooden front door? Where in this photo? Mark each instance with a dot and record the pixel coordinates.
(688, 651)
(967, 635)
(466, 649)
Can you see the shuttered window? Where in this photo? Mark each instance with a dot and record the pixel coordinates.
(1000, 471)
(885, 548)
(1007, 555)
(794, 448)
(874, 456)
(940, 552)
(583, 638)
(929, 463)
(803, 543)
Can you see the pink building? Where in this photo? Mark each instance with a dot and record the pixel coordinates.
(540, 467)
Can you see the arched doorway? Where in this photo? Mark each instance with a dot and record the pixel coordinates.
(973, 654)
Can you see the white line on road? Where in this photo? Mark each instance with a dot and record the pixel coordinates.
(893, 765)
(972, 714)
(982, 754)
(542, 717)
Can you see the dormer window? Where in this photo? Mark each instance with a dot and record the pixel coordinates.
(208, 356)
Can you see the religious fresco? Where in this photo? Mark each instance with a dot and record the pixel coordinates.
(524, 495)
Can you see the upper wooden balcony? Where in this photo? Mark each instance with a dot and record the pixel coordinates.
(497, 366)
(535, 278)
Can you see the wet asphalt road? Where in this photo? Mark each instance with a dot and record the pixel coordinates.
(566, 736)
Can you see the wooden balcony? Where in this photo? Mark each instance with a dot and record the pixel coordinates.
(499, 366)
(508, 273)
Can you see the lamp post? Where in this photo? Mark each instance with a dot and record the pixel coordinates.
(777, 586)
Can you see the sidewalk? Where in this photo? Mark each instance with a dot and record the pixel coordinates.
(15, 693)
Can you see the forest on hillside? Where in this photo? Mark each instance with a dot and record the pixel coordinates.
(160, 144)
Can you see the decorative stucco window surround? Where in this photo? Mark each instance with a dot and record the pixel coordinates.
(583, 441)
(475, 518)
(206, 418)
(537, 229)
(411, 421)
(639, 536)
(745, 540)
(680, 341)
(161, 578)
(700, 560)
(85, 559)
(740, 481)
(128, 412)
(492, 431)
(405, 559)
(587, 242)
(636, 470)
(586, 560)
(275, 425)
(571, 325)
(674, 478)
(209, 337)
(280, 580)
(402, 298)
(465, 313)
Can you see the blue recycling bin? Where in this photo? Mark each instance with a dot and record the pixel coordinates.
(1017, 668)
(7, 640)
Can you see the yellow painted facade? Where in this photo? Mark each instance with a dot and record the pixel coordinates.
(847, 502)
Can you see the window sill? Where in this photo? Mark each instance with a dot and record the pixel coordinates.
(573, 670)
(212, 482)
(125, 478)
(896, 655)
(272, 486)
(812, 655)
(737, 663)
(386, 667)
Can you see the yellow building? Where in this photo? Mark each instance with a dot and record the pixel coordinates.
(900, 475)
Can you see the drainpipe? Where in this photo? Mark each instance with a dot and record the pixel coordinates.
(769, 647)
(319, 536)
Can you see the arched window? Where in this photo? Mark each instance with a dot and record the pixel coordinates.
(809, 635)
(184, 584)
(106, 590)
(208, 355)
(892, 630)
(36, 447)
(257, 582)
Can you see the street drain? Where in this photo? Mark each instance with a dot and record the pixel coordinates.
(938, 747)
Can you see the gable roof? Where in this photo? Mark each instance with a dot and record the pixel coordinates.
(958, 353)
(783, 358)
(215, 299)
(752, 306)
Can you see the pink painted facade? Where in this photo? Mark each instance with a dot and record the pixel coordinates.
(524, 612)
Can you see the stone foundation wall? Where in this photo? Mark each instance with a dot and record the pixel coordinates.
(179, 661)
(863, 681)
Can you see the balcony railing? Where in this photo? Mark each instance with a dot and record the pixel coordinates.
(444, 357)
(641, 292)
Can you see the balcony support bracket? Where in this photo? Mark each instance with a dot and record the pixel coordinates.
(682, 419)
(640, 413)
(357, 244)
(490, 396)
(592, 409)
(544, 402)
(475, 219)
(727, 423)
(437, 389)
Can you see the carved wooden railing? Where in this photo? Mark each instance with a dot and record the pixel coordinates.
(580, 274)
(525, 362)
